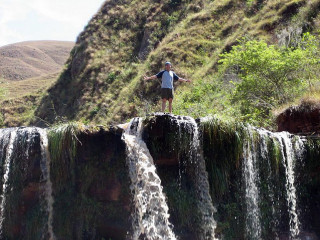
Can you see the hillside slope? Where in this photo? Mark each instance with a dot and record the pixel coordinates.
(27, 69)
(19, 99)
(25, 60)
(103, 81)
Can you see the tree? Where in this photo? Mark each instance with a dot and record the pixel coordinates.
(269, 75)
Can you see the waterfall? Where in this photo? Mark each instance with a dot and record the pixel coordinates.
(45, 168)
(17, 144)
(150, 216)
(264, 135)
(253, 148)
(4, 134)
(262, 194)
(251, 180)
(202, 185)
(288, 161)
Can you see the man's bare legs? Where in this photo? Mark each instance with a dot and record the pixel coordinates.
(170, 105)
(164, 101)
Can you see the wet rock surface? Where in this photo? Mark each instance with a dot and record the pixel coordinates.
(92, 198)
(101, 180)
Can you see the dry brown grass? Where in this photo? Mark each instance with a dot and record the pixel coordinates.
(27, 69)
(33, 59)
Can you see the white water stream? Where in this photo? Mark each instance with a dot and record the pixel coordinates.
(289, 155)
(10, 141)
(205, 205)
(251, 179)
(6, 167)
(288, 161)
(45, 168)
(150, 216)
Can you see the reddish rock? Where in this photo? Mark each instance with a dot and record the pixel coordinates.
(169, 161)
(303, 119)
(110, 190)
(31, 192)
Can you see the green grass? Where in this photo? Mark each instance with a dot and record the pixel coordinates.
(20, 99)
(63, 142)
(18, 89)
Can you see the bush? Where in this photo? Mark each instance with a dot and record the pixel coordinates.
(269, 75)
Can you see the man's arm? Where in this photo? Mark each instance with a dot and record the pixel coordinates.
(148, 78)
(158, 75)
(183, 80)
(175, 77)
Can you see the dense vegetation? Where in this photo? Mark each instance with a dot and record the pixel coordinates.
(268, 76)
(271, 76)
(103, 79)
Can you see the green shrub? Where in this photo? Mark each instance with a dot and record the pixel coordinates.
(269, 75)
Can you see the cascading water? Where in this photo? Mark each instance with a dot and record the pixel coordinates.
(264, 136)
(202, 185)
(288, 160)
(5, 136)
(17, 145)
(150, 217)
(251, 180)
(289, 154)
(45, 168)
(263, 197)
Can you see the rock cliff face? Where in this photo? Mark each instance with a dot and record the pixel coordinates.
(92, 195)
(25, 185)
(91, 184)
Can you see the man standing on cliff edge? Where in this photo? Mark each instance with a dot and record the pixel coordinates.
(167, 77)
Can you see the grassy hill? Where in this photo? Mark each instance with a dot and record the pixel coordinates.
(27, 69)
(19, 99)
(103, 80)
(32, 59)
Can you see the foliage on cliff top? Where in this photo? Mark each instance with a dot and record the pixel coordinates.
(63, 142)
(128, 39)
(270, 76)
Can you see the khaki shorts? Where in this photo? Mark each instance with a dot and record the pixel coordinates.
(166, 93)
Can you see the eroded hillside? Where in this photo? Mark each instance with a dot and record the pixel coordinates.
(103, 81)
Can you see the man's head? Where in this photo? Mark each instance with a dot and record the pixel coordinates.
(167, 66)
